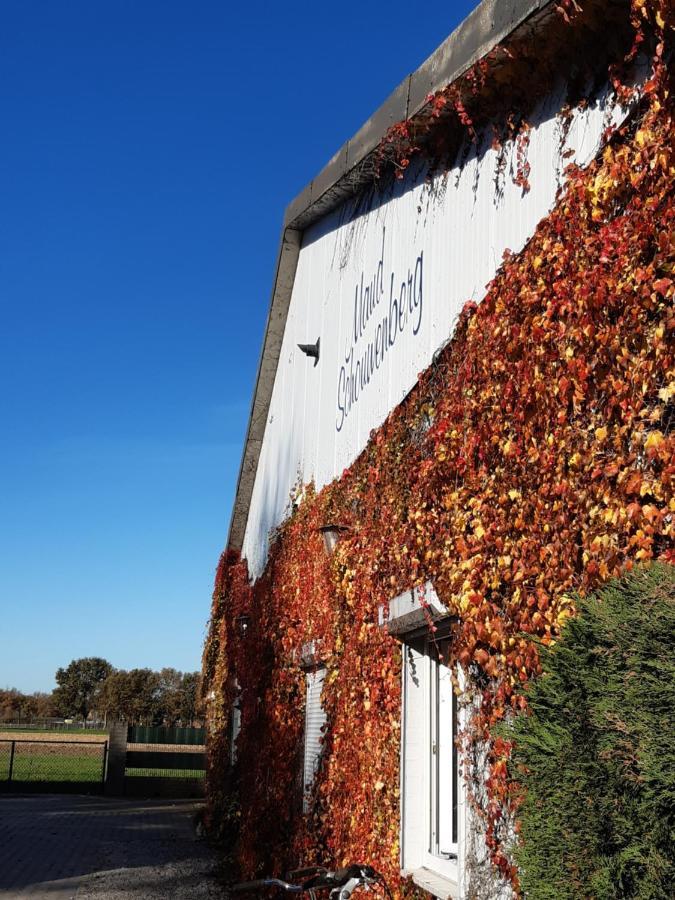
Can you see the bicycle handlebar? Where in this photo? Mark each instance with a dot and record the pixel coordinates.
(319, 878)
(340, 877)
(247, 886)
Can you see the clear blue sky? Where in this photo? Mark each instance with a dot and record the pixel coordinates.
(148, 150)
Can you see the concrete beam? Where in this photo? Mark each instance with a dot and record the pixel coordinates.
(287, 262)
(412, 610)
(393, 110)
(479, 33)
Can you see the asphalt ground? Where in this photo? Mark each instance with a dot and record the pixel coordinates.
(54, 847)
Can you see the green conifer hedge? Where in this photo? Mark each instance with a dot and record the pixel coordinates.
(596, 754)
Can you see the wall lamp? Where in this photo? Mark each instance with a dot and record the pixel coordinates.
(331, 535)
(311, 350)
(243, 624)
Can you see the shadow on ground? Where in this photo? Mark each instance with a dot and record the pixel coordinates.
(97, 848)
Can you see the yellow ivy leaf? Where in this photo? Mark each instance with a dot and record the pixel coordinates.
(654, 440)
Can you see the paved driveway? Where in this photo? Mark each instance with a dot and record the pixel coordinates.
(94, 848)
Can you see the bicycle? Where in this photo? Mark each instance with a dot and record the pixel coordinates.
(341, 883)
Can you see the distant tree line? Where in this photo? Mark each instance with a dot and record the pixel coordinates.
(92, 688)
(14, 705)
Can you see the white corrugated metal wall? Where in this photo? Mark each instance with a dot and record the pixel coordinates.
(460, 225)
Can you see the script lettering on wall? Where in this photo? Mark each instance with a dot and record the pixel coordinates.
(376, 327)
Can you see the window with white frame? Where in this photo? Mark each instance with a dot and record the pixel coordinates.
(315, 719)
(431, 820)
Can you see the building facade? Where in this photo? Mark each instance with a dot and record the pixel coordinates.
(395, 533)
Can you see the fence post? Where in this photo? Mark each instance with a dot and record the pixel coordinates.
(117, 758)
(11, 761)
(104, 769)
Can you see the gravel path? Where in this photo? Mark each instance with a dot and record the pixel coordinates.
(95, 848)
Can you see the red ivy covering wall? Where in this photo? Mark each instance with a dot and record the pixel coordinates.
(532, 460)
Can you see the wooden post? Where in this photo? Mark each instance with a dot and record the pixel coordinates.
(11, 761)
(117, 759)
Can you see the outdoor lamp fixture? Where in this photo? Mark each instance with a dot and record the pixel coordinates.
(331, 535)
(311, 350)
(243, 623)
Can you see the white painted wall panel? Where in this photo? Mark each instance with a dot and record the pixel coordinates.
(453, 231)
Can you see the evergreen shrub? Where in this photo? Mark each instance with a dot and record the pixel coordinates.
(595, 754)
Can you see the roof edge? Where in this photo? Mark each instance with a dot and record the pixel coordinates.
(284, 278)
(483, 29)
(486, 27)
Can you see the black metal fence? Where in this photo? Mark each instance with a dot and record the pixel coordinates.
(166, 762)
(146, 734)
(29, 723)
(28, 765)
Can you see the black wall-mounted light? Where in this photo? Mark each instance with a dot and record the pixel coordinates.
(311, 350)
(331, 535)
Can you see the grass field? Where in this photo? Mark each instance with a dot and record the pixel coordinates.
(75, 761)
(48, 764)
